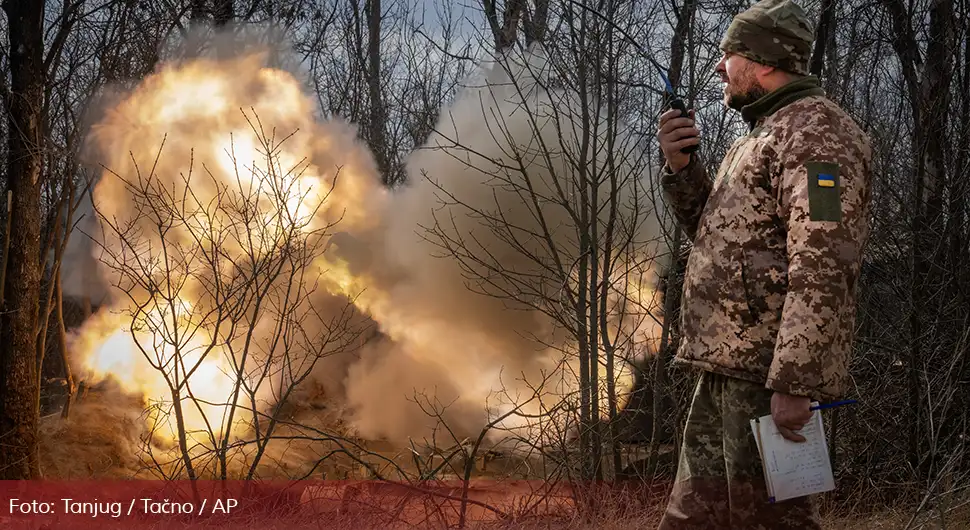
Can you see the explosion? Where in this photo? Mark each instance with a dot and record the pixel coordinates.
(250, 248)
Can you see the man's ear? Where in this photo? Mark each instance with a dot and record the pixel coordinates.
(764, 74)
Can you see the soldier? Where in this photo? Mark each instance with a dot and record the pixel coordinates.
(769, 294)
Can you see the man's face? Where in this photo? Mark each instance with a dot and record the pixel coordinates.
(741, 85)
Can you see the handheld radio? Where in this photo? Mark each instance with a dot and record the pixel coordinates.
(675, 103)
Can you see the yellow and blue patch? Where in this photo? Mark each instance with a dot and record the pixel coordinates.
(826, 180)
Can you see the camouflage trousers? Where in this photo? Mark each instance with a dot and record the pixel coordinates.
(720, 482)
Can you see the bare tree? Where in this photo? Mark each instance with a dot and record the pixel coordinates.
(928, 84)
(20, 276)
(232, 296)
(567, 230)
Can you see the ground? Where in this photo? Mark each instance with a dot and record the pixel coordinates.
(99, 441)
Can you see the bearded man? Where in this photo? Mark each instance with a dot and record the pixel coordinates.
(769, 296)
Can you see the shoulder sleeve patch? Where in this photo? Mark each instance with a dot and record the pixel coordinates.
(824, 191)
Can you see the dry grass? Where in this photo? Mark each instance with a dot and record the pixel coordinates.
(105, 438)
(101, 441)
(956, 518)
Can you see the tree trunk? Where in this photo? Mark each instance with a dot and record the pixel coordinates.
(824, 43)
(929, 89)
(678, 46)
(930, 242)
(504, 33)
(586, 353)
(223, 12)
(609, 237)
(43, 317)
(378, 141)
(19, 380)
(62, 345)
(957, 231)
(198, 10)
(534, 24)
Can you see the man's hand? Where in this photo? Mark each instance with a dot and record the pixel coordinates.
(676, 133)
(790, 414)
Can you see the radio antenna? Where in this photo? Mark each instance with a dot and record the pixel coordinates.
(675, 102)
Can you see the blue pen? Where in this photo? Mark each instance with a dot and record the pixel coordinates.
(833, 404)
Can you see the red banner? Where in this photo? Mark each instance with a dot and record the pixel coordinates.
(298, 504)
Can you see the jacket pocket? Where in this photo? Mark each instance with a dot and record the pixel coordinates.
(740, 289)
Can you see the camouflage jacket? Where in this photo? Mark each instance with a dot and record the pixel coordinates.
(770, 288)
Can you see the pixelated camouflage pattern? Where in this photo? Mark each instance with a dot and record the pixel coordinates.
(772, 32)
(720, 479)
(688, 191)
(769, 294)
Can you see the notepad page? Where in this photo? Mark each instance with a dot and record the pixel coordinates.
(796, 469)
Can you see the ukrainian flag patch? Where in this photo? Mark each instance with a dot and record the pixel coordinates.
(826, 181)
(824, 193)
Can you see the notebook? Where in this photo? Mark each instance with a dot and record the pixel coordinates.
(794, 469)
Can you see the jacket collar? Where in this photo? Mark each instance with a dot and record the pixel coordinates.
(773, 101)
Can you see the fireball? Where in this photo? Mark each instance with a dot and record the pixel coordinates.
(248, 245)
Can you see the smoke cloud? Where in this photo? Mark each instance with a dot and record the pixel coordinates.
(451, 284)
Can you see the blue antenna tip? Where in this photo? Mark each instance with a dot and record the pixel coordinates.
(667, 82)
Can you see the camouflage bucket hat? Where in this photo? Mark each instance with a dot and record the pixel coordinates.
(772, 32)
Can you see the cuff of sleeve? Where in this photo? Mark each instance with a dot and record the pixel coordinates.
(798, 389)
(669, 176)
